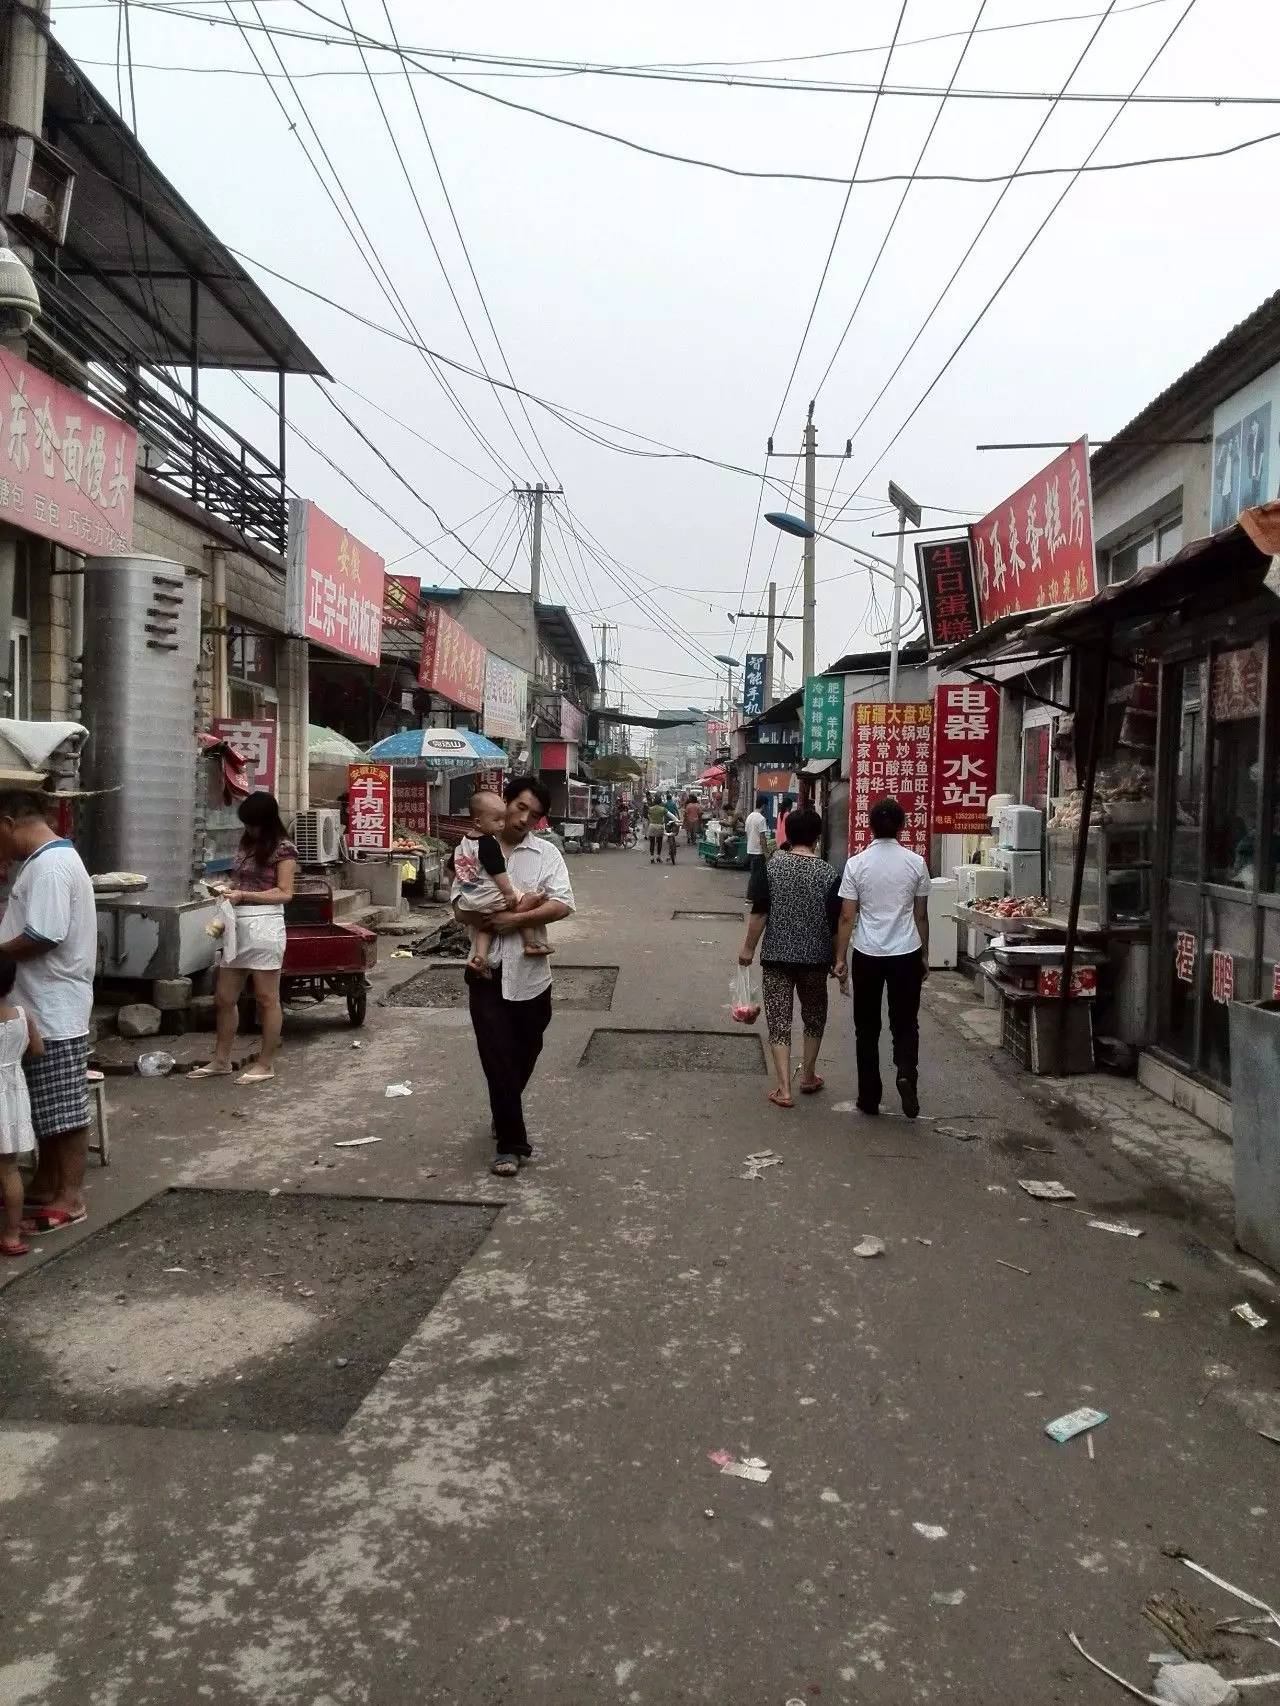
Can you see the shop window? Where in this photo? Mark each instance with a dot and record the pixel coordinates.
(1235, 703)
(251, 655)
(1186, 697)
(1180, 975)
(1154, 544)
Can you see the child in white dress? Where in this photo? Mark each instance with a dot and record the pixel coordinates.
(18, 1036)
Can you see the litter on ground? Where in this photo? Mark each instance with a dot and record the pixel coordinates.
(1156, 1284)
(1074, 1422)
(356, 1142)
(405, 1089)
(742, 1469)
(930, 1530)
(1017, 1270)
(757, 1163)
(1047, 1190)
(1249, 1315)
(962, 1134)
(1116, 1226)
(955, 1597)
(869, 1247)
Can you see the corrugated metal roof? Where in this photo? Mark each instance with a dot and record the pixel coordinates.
(1248, 349)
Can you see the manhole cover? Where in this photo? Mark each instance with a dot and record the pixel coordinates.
(736, 914)
(673, 1051)
(230, 1309)
(577, 988)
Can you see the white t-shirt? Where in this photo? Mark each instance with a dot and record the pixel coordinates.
(886, 880)
(536, 866)
(757, 827)
(52, 901)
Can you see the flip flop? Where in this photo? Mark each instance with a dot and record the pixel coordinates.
(812, 1089)
(14, 1247)
(51, 1220)
(252, 1077)
(779, 1100)
(209, 1071)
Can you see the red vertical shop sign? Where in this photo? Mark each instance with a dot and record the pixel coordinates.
(369, 806)
(1035, 550)
(966, 730)
(889, 757)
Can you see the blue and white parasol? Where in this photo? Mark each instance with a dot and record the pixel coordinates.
(441, 749)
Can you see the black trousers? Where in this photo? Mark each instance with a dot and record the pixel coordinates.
(755, 862)
(902, 976)
(508, 1040)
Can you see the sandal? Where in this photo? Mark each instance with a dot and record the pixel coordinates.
(14, 1247)
(812, 1089)
(209, 1070)
(779, 1100)
(505, 1166)
(44, 1220)
(252, 1077)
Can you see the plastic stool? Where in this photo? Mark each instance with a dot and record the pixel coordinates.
(98, 1099)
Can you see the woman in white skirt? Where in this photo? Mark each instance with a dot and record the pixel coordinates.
(262, 877)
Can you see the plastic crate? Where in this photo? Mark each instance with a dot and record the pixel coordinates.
(1029, 1033)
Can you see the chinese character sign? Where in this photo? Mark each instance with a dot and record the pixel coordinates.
(889, 757)
(1035, 550)
(255, 740)
(753, 684)
(452, 663)
(413, 800)
(1223, 976)
(66, 467)
(506, 700)
(823, 727)
(966, 728)
(400, 601)
(1235, 685)
(945, 569)
(1184, 957)
(369, 806)
(334, 586)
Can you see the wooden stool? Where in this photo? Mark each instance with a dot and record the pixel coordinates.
(98, 1101)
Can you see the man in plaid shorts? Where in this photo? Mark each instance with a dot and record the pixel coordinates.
(50, 928)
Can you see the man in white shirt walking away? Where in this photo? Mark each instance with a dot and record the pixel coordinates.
(757, 828)
(50, 927)
(885, 896)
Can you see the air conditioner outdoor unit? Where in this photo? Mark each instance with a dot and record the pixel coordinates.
(316, 835)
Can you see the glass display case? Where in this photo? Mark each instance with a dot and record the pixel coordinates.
(1116, 890)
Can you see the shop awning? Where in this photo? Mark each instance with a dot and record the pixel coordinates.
(713, 776)
(819, 766)
(1224, 569)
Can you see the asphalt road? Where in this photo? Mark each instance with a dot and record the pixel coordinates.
(525, 1508)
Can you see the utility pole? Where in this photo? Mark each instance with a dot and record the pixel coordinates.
(534, 495)
(908, 510)
(605, 741)
(770, 634)
(811, 518)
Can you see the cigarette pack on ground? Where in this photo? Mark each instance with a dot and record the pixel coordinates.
(1073, 1423)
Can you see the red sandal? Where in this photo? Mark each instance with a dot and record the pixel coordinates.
(14, 1247)
(779, 1100)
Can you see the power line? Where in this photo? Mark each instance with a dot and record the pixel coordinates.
(1022, 254)
(960, 264)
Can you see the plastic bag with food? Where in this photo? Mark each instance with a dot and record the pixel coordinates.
(744, 995)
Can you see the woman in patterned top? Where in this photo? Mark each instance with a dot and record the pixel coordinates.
(795, 907)
(261, 881)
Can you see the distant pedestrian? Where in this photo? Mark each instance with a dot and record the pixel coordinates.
(885, 891)
(50, 929)
(692, 819)
(757, 828)
(511, 1008)
(794, 907)
(671, 830)
(656, 817)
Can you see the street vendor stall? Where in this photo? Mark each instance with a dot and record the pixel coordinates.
(1164, 844)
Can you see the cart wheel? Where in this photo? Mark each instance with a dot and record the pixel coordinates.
(357, 1006)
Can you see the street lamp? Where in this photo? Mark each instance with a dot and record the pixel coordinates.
(730, 664)
(893, 572)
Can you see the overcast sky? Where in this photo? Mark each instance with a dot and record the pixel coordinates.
(671, 300)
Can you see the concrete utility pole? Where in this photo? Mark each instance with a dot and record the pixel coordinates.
(908, 510)
(605, 741)
(811, 519)
(770, 635)
(534, 496)
(22, 78)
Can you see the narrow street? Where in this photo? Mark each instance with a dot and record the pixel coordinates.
(522, 1506)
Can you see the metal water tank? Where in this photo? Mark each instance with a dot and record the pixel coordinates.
(141, 654)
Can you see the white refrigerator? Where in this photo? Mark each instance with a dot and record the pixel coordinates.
(942, 924)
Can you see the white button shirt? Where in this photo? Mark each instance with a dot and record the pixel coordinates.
(535, 865)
